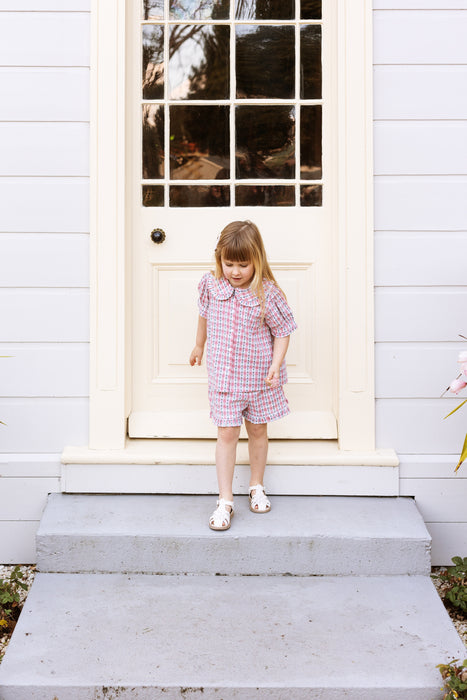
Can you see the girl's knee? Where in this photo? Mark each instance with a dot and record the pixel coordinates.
(256, 430)
(228, 434)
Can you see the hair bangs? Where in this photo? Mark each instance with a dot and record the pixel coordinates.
(237, 249)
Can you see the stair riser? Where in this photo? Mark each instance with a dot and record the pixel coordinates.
(324, 556)
(182, 693)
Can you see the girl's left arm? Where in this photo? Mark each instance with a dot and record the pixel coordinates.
(280, 347)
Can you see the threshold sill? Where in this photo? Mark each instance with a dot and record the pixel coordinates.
(281, 452)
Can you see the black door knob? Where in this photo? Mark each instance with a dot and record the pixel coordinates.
(158, 235)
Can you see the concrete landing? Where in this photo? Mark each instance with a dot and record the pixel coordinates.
(302, 535)
(143, 637)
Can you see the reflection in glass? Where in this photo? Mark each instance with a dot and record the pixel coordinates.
(265, 9)
(199, 196)
(310, 9)
(153, 62)
(199, 142)
(310, 142)
(265, 196)
(265, 61)
(153, 142)
(265, 142)
(311, 195)
(153, 9)
(153, 196)
(199, 9)
(199, 62)
(310, 62)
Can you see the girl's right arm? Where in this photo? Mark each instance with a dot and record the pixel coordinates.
(201, 335)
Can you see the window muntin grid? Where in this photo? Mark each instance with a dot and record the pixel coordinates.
(231, 103)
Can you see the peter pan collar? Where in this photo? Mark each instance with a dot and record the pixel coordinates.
(222, 290)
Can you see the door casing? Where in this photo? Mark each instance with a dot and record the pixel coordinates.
(110, 333)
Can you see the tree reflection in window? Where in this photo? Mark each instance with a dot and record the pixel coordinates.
(199, 62)
(265, 9)
(153, 62)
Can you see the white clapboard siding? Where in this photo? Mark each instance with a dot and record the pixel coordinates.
(415, 37)
(64, 260)
(44, 94)
(46, 5)
(25, 499)
(18, 542)
(419, 4)
(43, 425)
(44, 315)
(449, 540)
(30, 465)
(44, 205)
(418, 426)
(44, 38)
(44, 369)
(415, 370)
(414, 203)
(420, 92)
(421, 258)
(432, 495)
(420, 148)
(430, 466)
(423, 314)
(49, 149)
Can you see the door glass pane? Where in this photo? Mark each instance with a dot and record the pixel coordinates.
(153, 142)
(199, 9)
(265, 61)
(310, 9)
(311, 195)
(265, 196)
(265, 9)
(199, 142)
(153, 62)
(153, 195)
(310, 142)
(310, 62)
(153, 9)
(265, 142)
(199, 196)
(199, 62)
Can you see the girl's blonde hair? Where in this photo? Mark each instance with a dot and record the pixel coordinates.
(241, 241)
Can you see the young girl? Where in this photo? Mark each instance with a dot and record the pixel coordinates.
(246, 320)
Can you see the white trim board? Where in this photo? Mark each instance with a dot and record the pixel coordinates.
(110, 401)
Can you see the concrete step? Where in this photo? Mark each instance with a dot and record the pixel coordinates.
(302, 535)
(143, 637)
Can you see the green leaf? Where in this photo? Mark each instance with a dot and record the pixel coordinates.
(463, 455)
(456, 409)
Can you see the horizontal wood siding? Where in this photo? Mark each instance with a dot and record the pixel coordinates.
(420, 142)
(44, 249)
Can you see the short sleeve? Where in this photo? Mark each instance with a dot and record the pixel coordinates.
(279, 316)
(203, 301)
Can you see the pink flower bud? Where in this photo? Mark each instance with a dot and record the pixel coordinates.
(456, 385)
(462, 356)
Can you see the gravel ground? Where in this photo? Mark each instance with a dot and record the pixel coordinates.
(30, 571)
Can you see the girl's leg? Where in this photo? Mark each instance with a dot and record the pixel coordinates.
(226, 449)
(258, 450)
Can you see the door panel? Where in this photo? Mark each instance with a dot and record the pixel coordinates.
(235, 127)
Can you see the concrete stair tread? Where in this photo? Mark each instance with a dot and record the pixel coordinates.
(303, 535)
(84, 636)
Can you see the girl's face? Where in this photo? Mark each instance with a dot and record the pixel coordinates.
(239, 274)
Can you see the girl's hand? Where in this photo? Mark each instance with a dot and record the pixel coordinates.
(196, 355)
(272, 380)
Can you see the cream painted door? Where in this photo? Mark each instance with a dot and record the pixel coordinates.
(230, 113)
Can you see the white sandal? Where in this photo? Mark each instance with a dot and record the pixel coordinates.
(220, 519)
(259, 502)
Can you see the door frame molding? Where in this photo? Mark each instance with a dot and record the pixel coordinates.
(110, 333)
